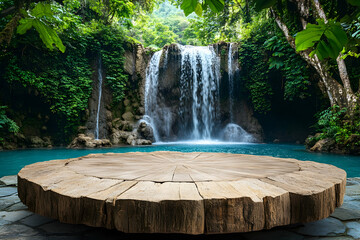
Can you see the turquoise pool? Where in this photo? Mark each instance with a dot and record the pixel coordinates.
(12, 161)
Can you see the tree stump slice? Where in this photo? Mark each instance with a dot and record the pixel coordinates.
(174, 192)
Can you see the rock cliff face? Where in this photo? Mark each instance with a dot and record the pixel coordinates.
(121, 123)
(243, 114)
(117, 122)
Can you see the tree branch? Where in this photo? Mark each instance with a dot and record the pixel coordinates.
(7, 11)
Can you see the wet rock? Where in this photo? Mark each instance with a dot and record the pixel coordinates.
(9, 180)
(17, 231)
(145, 131)
(353, 190)
(83, 141)
(131, 140)
(15, 216)
(141, 110)
(82, 129)
(142, 142)
(108, 115)
(17, 207)
(5, 202)
(36, 142)
(353, 229)
(7, 191)
(327, 227)
(311, 140)
(119, 136)
(323, 145)
(36, 220)
(126, 102)
(117, 123)
(345, 214)
(128, 116)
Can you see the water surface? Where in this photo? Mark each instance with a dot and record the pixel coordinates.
(12, 161)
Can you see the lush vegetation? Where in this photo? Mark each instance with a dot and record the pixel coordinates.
(64, 80)
(54, 48)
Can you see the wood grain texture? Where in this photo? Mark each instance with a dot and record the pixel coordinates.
(174, 192)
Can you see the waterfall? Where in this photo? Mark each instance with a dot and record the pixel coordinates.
(151, 91)
(231, 83)
(100, 80)
(199, 82)
(182, 96)
(235, 133)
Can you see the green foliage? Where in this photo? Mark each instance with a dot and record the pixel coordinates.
(190, 6)
(37, 18)
(163, 26)
(112, 54)
(326, 39)
(64, 81)
(255, 75)
(6, 124)
(338, 124)
(292, 66)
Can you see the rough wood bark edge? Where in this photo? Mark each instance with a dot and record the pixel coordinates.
(307, 195)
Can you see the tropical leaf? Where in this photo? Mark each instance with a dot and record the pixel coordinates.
(215, 5)
(47, 34)
(24, 25)
(262, 4)
(189, 6)
(198, 10)
(41, 10)
(327, 40)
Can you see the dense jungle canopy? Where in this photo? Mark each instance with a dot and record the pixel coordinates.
(312, 46)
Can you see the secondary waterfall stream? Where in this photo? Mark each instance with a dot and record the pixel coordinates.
(100, 81)
(195, 115)
(231, 83)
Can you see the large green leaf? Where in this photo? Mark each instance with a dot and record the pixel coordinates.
(354, 2)
(24, 25)
(262, 4)
(47, 34)
(215, 5)
(198, 10)
(41, 10)
(189, 6)
(327, 40)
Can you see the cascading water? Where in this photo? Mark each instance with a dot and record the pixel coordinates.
(231, 83)
(233, 132)
(100, 80)
(151, 90)
(195, 72)
(199, 83)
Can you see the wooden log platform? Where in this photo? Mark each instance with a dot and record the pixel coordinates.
(174, 192)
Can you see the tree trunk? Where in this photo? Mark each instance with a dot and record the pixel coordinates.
(338, 94)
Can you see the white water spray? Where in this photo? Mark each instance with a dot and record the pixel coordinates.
(100, 80)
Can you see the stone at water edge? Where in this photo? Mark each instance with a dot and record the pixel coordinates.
(9, 180)
(353, 229)
(7, 191)
(323, 228)
(83, 141)
(345, 214)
